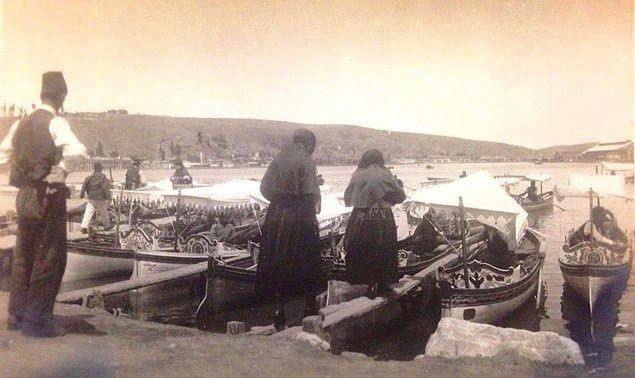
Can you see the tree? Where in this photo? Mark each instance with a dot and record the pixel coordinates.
(161, 153)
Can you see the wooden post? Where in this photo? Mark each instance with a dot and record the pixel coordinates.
(176, 222)
(463, 243)
(118, 220)
(130, 210)
(591, 208)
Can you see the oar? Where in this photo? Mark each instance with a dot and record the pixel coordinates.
(551, 203)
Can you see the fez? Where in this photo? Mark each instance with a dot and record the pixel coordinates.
(53, 85)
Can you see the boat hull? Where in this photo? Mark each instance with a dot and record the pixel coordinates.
(544, 204)
(85, 261)
(489, 306)
(592, 281)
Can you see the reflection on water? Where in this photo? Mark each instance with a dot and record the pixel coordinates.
(594, 332)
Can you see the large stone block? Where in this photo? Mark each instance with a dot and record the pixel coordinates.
(458, 338)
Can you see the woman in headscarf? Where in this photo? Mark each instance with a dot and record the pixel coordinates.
(371, 235)
(289, 259)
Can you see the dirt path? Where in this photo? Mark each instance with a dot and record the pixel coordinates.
(98, 344)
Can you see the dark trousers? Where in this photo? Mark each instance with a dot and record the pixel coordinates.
(39, 261)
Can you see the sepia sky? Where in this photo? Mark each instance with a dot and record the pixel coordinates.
(531, 73)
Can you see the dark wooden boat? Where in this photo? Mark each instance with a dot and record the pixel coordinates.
(543, 203)
(591, 268)
(492, 293)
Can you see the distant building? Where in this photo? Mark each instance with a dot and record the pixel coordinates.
(614, 151)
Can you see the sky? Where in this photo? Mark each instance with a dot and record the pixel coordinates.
(531, 73)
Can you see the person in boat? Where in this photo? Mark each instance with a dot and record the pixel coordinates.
(289, 261)
(425, 238)
(97, 186)
(498, 253)
(40, 148)
(531, 193)
(134, 177)
(223, 229)
(602, 228)
(463, 174)
(371, 234)
(181, 176)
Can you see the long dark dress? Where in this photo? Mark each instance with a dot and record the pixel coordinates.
(289, 259)
(371, 234)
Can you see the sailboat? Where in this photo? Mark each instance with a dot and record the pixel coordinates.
(593, 259)
(477, 289)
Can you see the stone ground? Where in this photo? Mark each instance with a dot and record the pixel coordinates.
(100, 345)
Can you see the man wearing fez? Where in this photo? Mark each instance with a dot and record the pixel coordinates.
(40, 147)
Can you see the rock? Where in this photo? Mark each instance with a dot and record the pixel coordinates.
(235, 328)
(312, 340)
(262, 330)
(354, 355)
(458, 338)
(312, 324)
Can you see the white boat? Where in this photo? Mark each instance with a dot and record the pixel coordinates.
(544, 200)
(96, 258)
(593, 264)
(476, 290)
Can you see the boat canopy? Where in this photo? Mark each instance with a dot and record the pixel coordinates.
(618, 167)
(332, 205)
(483, 200)
(599, 185)
(537, 177)
(507, 180)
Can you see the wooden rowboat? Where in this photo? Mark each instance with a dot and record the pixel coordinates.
(493, 293)
(543, 203)
(591, 268)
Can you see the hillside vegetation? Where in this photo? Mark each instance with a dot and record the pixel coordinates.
(146, 136)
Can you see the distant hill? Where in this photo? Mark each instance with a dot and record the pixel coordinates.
(144, 136)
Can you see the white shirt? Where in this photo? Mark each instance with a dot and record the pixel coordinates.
(63, 137)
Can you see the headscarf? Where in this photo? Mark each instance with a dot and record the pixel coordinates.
(371, 157)
(292, 171)
(372, 184)
(306, 138)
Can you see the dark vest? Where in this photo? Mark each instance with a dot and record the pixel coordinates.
(34, 152)
(133, 178)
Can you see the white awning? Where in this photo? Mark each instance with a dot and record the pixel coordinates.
(483, 200)
(537, 177)
(618, 167)
(604, 147)
(594, 185)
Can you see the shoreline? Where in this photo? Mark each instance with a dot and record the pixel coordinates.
(99, 344)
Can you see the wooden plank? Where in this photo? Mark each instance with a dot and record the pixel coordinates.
(363, 305)
(135, 283)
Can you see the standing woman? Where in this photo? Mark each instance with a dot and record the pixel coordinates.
(289, 260)
(371, 235)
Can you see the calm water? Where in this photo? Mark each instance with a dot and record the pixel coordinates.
(563, 314)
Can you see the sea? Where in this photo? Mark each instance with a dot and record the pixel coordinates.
(599, 334)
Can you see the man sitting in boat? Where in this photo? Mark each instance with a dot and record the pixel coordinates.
(181, 176)
(531, 193)
(222, 230)
(498, 253)
(602, 228)
(425, 238)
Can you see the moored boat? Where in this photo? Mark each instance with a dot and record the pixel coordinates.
(492, 293)
(505, 271)
(597, 255)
